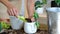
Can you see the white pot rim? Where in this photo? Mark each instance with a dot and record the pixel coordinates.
(53, 9)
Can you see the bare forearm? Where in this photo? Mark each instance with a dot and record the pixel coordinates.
(5, 2)
(30, 8)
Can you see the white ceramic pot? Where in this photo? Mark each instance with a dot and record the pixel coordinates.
(16, 24)
(40, 10)
(30, 27)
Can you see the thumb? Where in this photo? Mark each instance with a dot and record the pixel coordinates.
(32, 19)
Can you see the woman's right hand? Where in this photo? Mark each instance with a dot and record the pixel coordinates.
(12, 11)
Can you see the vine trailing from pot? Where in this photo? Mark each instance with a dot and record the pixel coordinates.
(39, 10)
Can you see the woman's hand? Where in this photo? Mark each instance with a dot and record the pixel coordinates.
(12, 11)
(32, 19)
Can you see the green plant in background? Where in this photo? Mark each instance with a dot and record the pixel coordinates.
(4, 25)
(39, 4)
(57, 2)
(0, 26)
(44, 1)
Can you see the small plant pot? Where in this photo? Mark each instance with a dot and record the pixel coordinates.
(30, 27)
(40, 10)
(16, 24)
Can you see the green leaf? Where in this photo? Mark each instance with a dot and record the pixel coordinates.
(0, 26)
(57, 1)
(5, 25)
(44, 1)
(37, 24)
(36, 15)
(37, 3)
(22, 18)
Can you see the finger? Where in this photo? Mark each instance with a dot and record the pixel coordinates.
(32, 19)
(14, 11)
(17, 11)
(12, 14)
(9, 12)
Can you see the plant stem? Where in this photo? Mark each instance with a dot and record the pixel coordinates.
(58, 4)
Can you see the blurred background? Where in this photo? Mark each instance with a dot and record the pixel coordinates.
(22, 11)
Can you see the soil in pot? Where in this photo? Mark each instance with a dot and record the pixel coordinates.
(28, 20)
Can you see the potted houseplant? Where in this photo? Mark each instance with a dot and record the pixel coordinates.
(30, 27)
(53, 13)
(39, 6)
(16, 23)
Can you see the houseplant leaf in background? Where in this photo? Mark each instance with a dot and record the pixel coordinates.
(57, 1)
(4, 25)
(44, 1)
(37, 4)
(40, 3)
(0, 26)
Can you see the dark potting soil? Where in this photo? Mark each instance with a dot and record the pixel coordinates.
(28, 20)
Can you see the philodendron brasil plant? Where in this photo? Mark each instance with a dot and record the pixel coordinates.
(57, 2)
(38, 4)
(36, 16)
